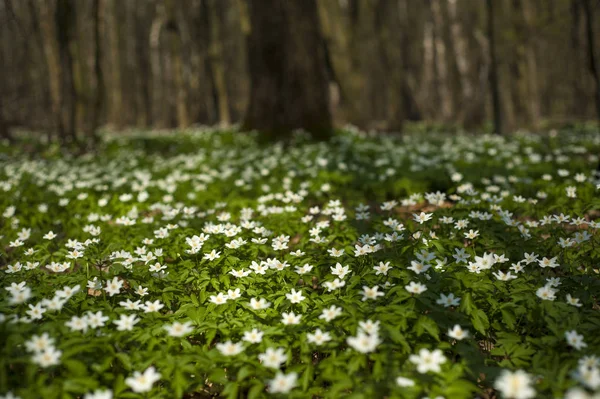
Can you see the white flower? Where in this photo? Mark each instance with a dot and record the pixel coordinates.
(48, 357)
(212, 255)
(458, 333)
(283, 383)
(113, 286)
(383, 268)
(545, 262)
(330, 313)
(290, 318)
(126, 323)
(20, 296)
(96, 320)
(39, 343)
(55, 303)
(36, 312)
(78, 323)
(335, 252)
(363, 342)
(143, 382)
(234, 294)
(219, 299)
(150, 307)
(340, 270)
(334, 285)
(178, 329)
(99, 394)
(405, 382)
(515, 385)
(229, 348)
(575, 340)
(428, 360)
(273, 358)
(422, 217)
(371, 293)
(573, 301)
(448, 300)
(589, 376)
(295, 296)
(49, 235)
(240, 273)
(472, 234)
(254, 336)
(131, 305)
(415, 288)
(257, 304)
(319, 337)
(304, 269)
(68, 292)
(546, 293)
(369, 326)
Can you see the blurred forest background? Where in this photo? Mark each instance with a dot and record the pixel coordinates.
(69, 66)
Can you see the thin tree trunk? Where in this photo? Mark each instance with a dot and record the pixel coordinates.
(494, 84)
(97, 16)
(116, 95)
(143, 96)
(591, 46)
(158, 90)
(48, 27)
(174, 38)
(530, 13)
(386, 17)
(65, 18)
(216, 62)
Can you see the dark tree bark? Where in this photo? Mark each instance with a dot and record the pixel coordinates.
(591, 46)
(287, 69)
(97, 15)
(65, 21)
(494, 84)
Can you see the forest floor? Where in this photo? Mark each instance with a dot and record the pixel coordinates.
(201, 264)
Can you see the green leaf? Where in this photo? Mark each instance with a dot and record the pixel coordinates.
(307, 377)
(509, 318)
(480, 321)
(426, 324)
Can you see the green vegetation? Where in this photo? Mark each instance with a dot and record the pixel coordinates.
(367, 267)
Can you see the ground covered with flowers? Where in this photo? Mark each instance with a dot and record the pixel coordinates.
(199, 264)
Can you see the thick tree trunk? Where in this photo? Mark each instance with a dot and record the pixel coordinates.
(494, 84)
(288, 76)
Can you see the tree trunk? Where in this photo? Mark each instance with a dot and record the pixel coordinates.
(494, 84)
(387, 17)
(97, 15)
(51, 52)
(288, 76)
(65, 25)
(116, 96)
(174, 39)
(591, 46)
(344, 60)
(217, 66)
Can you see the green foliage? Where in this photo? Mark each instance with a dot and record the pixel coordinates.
(174, 221)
